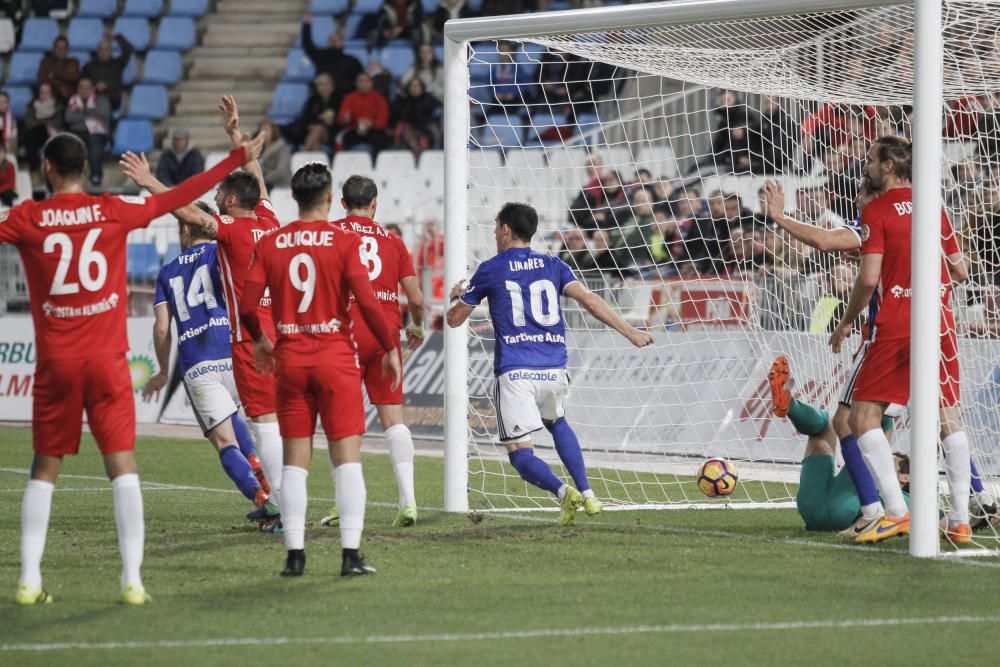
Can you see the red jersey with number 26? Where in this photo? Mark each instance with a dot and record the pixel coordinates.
(236, 238)
(386, 261)
(307, 267)
(886, 229)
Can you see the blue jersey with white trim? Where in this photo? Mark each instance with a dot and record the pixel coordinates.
(855, 226)
(192, 286)
(523, 288)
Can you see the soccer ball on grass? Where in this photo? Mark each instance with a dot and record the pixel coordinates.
(717, 478)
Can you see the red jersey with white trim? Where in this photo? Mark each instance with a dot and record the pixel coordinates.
(72, 246)
(307, 267)
(886, 229)
(236, 238)
(386, 260)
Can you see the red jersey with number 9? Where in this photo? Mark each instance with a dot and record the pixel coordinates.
(307, 266)
(72, 246)
(386, 261)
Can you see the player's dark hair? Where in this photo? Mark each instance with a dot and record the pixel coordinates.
(359, 191)
(244, 187)
(310, 184)
(196, 231)
(520, 218)
(66, 153)
(899, 150)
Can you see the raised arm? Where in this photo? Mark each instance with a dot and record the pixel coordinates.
(231, 122)
(824, 240)
(415, 306)
(136, 167)
(599, 308)
(958, 267)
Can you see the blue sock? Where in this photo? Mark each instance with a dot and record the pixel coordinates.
(856, 468)
(238, 469)
(243, 437)
(535, 471)
(977, 481)
(568, 448)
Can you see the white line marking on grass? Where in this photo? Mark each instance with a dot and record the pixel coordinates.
(508, 634)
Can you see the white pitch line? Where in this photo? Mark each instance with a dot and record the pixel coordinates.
(541, 633)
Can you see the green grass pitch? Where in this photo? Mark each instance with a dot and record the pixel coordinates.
(629, 588)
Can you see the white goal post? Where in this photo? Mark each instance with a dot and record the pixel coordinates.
(576, 32)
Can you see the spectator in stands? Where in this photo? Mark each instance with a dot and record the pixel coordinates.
(967, 178)
(503, 76)
(276, 158)
(8, 124)
(773, 140)
(745, 251)
(429, 70)
(106, 70)
(989, 129)
(633, 242)
(399, 19)
(735, 212)
(601, 259)
(332, 60)
(181, 161)
(702, 253)
(604, 207)
(381, 78)
(812, 206)
(414, 117)
(8, 179)
(574, 249)
(980, 232)
(88, 115)
(316, 125)
(731, 141)
(429, 257)
(44, 119)
(447, 10)
(363, 117)
(59, 69)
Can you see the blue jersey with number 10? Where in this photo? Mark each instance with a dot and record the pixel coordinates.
(191, 285)
(523, 288)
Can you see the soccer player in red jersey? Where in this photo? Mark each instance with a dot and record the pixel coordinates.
(884, 378)
(72, 246)
(389, 267)
(312, 269)
(245, 215)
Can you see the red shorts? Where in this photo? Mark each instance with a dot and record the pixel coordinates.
(256, 391)
(885, 372)
(331, 392)
(377, 384)
(64, 388)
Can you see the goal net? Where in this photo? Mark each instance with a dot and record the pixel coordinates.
(644, 151)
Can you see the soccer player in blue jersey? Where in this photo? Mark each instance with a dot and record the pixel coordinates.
(523, 288)
(188, 289)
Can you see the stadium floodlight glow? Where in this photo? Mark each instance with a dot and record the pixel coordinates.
(646, 420)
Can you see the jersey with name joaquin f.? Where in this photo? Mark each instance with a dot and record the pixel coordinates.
(236, 238)
(192, 287)
(72, 246)
(306, 266)
(523, 288)
(886, 229)
(387, 261)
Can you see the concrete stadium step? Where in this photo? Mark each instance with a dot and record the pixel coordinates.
(220, 87)
(260, 7)
(210, 98)
(251, 68)
(206, 107)
(211, 121)
(239, 37)
(237, 51)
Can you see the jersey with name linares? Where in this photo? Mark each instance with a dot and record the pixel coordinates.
(523, 288)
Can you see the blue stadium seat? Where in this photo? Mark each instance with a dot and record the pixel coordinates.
(128, 75)
(298, 67)
(149, 101)
(322, 27)
(147, 9)
(38, 35)
(162, 67)
(177, 33)
(133, 134)
(85, 34)
(367, 6)
(397, 59)
(97, 9)
(141, 261)
(193, 8)
(20, 97)
(173, 250)
(135, 30)
(288, 101)
(328, 7)
(475, 5)
(430, 6)
(24, 67)
(83, 57)
(351, 26)
(361, 53)
(500, 133)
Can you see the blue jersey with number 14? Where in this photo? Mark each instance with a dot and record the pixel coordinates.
(523, 288)
(191, 285)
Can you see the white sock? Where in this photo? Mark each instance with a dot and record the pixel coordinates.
(131, 528)
(562, 491)
(959, 473)
(878, 457)
(351, 499)
(35, 510)
(871, 510)
(271, 454)
(401, 453)
(294, 498)
(589, 493)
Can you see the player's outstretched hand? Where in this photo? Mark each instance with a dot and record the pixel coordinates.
(154, 386)
(839, 335)
(136, 167)
(457, 290)
(263, 355)
(231, 118)
(414, 337)
(391, 365)
(774, 198)
(254, 147)
(640, 338)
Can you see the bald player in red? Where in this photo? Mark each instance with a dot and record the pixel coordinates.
(312, 269)
(245, 216)
(73, 248)
(389, 267)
